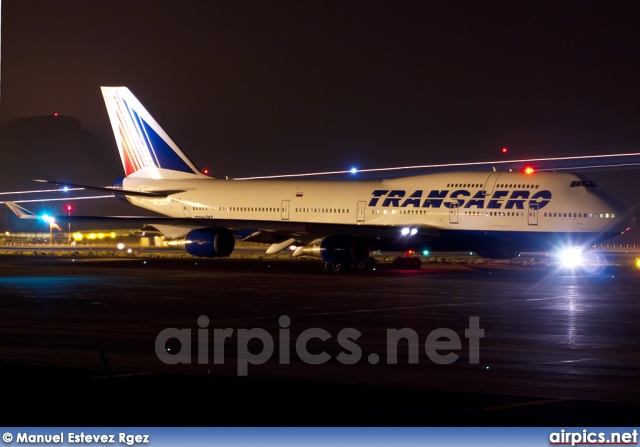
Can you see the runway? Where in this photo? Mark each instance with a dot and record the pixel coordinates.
(556, 347)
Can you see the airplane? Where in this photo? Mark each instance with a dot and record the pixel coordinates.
(494, 214)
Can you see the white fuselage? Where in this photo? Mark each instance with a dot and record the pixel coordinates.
(546, 202)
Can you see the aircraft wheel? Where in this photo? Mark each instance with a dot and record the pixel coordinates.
(415, 263)
(339, 267)
(325, 266)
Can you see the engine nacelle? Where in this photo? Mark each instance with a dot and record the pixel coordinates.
(206, 242)
(338, 249)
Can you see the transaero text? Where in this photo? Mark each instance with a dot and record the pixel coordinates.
(459, 198)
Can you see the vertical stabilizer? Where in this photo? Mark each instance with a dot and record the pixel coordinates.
(145, 149)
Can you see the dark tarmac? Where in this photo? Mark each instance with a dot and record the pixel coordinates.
(78, 344)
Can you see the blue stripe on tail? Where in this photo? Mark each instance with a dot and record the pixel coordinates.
(162, 154)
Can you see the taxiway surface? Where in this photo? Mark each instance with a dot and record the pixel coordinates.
(557, 347)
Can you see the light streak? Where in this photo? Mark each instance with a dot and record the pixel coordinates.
(39, 191)
(448, 165)
(61, 199)
(589, 167)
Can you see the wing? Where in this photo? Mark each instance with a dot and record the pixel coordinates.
(115, 190)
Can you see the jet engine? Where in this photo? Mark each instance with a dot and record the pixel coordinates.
(337, 249)
(206, 242)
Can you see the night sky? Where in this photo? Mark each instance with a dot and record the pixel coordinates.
(276, 87)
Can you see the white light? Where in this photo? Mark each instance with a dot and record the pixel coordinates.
(414, 231)
(120, 246)
(354, 170)
(405, 231)
(571, 257)
(292, 247)
(130, 251)
(65, 189)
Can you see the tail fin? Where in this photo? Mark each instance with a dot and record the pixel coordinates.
(145, 149)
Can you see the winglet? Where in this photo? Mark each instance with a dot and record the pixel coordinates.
(21, 212)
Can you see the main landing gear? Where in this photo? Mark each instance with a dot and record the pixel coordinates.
(338, 267)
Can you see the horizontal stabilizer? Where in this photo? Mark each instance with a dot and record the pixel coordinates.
(115, 190)
(21, 212)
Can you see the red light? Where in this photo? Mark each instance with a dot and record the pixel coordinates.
(68, 208)
(55, 113)
(505, 150)
(205, 171)
(529, 170)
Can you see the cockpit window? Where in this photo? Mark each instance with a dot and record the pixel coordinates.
(585, 183)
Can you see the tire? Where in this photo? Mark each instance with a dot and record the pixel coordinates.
(339, 267)
(325, 266)
(415, 263)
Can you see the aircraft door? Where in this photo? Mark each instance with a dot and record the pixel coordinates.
(533, 214)
(186, 208)
(490, 183)
(360, 211)
(284, 214)
(453, 213)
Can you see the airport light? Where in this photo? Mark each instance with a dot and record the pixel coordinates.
(52, 225)
(528, 170)
(505, 150)
(68, 208)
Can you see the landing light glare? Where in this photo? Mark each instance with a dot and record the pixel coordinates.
(571, 257)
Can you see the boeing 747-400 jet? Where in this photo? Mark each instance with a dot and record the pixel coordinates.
(495, 214)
